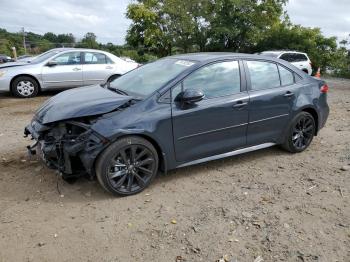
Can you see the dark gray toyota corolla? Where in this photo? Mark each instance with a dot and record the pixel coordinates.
(175, 112)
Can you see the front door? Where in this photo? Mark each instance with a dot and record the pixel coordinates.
(218, 123)
(67, 71)
(272, 91)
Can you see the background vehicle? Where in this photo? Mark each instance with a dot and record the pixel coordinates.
(298, 59)
(176, 112)
(5, 59)
(25, 58)
(62, 68)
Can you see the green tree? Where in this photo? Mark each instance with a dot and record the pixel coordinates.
(65, 38)
(150, 28)
(323, 51)
(239, 25)
(234, 25)
(49, 36)
(89, 41)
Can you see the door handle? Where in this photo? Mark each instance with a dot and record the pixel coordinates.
(288, 94)
(76, 69)
(240, 104)
(109, 67)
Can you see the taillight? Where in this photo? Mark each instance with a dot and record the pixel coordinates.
(324, 88)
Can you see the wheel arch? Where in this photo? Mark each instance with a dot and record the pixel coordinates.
(161, 154)
(27, 75)
(314, 114)
(163, 166)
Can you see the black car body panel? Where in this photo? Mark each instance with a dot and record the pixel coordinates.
(80, 102)
(180, 135)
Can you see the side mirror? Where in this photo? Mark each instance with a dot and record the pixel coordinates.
(51, 63)
(190, 96)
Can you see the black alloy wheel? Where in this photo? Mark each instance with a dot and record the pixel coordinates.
(128, 166)
(301, 133)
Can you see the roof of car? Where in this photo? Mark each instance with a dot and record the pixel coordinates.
(76, 49)
(282, 51)
(212, 56)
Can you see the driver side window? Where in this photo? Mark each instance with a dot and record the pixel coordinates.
(215, 80)
(71, 58)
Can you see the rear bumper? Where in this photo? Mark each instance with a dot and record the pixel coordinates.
(323, 112)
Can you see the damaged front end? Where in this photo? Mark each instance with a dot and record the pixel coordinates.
(70, 147)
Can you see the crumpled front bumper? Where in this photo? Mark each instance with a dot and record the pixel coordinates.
(70, 156)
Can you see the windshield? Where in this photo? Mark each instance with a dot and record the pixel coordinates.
(44, 56)
(150, 77)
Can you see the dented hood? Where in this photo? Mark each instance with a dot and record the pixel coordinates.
(80, 102)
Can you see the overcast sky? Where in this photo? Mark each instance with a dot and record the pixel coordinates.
(106, 18)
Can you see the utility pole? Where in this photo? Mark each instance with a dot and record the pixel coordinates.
(24, 40)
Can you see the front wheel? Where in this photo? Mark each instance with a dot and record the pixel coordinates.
(24, 87)
(127, 166)
(300, 133)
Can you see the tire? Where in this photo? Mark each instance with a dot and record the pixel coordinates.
(24, 87)
(127, 166)
(113, 77)
(300, 133)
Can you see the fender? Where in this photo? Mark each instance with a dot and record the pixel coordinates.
(36, 78)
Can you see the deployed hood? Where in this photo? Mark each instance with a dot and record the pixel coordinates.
(80, 102)
(12, 64)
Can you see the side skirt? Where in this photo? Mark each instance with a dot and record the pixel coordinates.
(232, 153)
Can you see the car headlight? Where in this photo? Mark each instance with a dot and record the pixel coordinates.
(2, 73)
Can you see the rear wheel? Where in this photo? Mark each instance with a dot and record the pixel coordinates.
(127, 166)
(24, 87)
(300, 133)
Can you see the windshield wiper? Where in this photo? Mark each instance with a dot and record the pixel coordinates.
(117, 90)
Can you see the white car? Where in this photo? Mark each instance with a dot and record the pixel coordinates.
(62, 68)
(298, 59)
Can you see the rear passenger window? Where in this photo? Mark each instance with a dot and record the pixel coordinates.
(215, 80)
(287, 77)
(95, 58)
(263, 75)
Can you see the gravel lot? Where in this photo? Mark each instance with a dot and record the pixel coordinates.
(267, 205)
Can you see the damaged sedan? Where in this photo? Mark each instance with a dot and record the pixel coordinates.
(177, 111)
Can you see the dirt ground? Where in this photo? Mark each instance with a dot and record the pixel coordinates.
(267, 205)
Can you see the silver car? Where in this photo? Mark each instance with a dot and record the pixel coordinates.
(62, 68)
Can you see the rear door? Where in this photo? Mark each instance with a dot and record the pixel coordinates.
(272, 91)
(218, 123)
(66, 73)
(97, 68)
